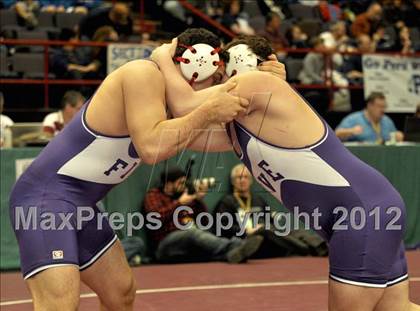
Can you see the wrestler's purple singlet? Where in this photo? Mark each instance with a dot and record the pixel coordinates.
(76, 169)
(327, 176)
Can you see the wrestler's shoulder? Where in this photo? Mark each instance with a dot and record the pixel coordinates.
(140, 65)
(259, 80)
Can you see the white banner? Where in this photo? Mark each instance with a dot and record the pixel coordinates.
(397, 77)
(120, 53)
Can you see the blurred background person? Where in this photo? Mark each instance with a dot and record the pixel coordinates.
(54, 122)
(369, 125)
(5, 122)
(313, 70)
(174, 245)
(241, 201)
(330, 12)
(233, 18)
(352, 66)
(118, 17)
(98, 55)
(367, 23)
(272, 31)
(27, 12)
(336, 37)
(70, 61)
(296, 37)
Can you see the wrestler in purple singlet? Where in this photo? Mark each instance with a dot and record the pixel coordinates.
(76, 169)
(326, 175)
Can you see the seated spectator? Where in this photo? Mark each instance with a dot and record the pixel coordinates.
(192, 244)
(352, 66)
(369, 125)
(27, 11)
(272, 31)
(117, 16)
(5, 122)
(403, 43)
(54, 122)
(99, 54)
(313, 64)
(234, 20)
(336, 39)
(314, 72)
(394, 13)
(297, 39)
(368, 22)
(330, 12)
(70, 62)
(243, 202)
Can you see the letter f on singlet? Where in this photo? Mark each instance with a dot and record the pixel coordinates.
(116, 166)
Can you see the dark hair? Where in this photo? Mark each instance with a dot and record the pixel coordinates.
(193, 36)
(72, 98)
(66, 34)
(171, 174)
(226, 4)
(373, 96)
(270, 16)
(289, 33)
(259, 45)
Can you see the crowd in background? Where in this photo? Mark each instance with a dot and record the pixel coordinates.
(324, 26)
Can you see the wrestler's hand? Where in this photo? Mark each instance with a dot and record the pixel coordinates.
(274, 67)
(164, 52)
(222, 107)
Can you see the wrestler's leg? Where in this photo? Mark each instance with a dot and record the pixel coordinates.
(396, 297)
(110, 277)
(56, 288)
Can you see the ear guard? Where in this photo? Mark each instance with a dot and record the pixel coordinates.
(199, 62)
(241, 59)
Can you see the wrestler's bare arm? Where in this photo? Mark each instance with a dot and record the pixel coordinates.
(154, 137)
(182, 99)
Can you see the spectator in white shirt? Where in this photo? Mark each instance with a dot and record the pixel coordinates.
(5, 121)
(70, 104)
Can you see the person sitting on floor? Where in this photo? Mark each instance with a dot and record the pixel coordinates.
(190, 244)
(243, 201)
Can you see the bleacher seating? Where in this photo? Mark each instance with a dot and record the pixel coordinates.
(67, 20)
(29, 65)
(301, 11)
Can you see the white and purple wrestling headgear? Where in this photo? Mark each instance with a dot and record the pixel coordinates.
(199, 62)
(241, 60)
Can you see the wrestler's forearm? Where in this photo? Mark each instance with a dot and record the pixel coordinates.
(180, 96)
(169, 137)
(212, 139)
(177, 91)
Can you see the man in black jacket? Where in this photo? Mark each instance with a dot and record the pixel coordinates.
(118, 17)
